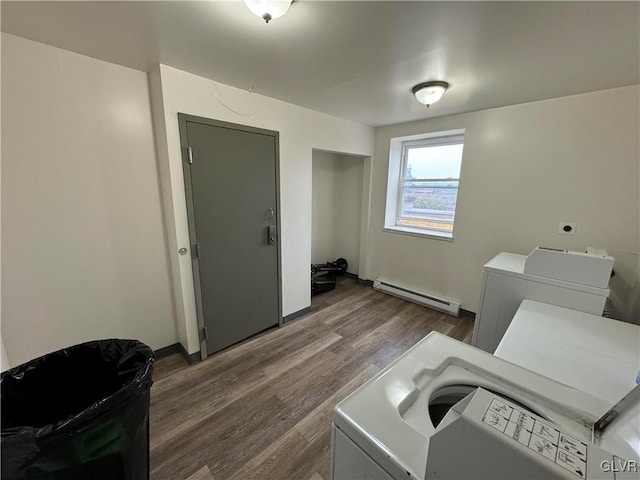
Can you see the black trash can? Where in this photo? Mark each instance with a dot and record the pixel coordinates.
(78, 413)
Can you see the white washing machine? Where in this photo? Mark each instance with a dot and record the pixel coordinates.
(384, 429)
(568, 279)
(597, 355)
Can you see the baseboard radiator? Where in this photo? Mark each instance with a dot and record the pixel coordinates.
(442, 304)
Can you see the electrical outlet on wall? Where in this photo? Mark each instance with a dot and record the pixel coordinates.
(567, 228)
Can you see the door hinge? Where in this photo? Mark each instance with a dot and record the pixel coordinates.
(190, 154)
(195, 251)
(204, 334)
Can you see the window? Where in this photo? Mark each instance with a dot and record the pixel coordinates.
(426, 174)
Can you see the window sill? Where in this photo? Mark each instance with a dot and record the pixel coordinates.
(418, 232)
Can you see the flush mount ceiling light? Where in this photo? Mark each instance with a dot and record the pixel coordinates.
(429, 93)
(268, 9)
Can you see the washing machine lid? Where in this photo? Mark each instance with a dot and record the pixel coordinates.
(380, 415)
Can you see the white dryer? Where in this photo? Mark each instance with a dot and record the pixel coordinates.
(383, 430)
(593, 354)
(597, 355)
(563, 278)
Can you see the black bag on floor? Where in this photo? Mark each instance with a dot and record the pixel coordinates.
(79, 413)
(323, 275)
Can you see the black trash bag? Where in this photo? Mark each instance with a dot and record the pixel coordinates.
(79, 413)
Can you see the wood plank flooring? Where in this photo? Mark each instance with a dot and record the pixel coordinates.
(262, 409)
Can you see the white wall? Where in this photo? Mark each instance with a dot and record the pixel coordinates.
(325, 168)
(525, 169)
(337, 208)
(301, 131)
(83, 244)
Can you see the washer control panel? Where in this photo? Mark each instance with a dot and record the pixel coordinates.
(538, 435)
(486, 436)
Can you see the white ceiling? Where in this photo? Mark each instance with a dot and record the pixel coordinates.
(358, 60)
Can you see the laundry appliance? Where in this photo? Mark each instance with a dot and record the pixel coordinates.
(575, 280)
(384, 430)
(593, 354)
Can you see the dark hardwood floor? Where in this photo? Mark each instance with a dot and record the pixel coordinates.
(262, 409)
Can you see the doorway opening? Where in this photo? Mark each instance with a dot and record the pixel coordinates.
(339, 223)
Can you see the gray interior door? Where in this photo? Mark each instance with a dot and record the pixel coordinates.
(232, 199)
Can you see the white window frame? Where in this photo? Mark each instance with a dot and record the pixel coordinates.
(395, 183)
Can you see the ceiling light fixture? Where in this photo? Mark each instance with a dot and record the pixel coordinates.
(268, 9)
(429, 93)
